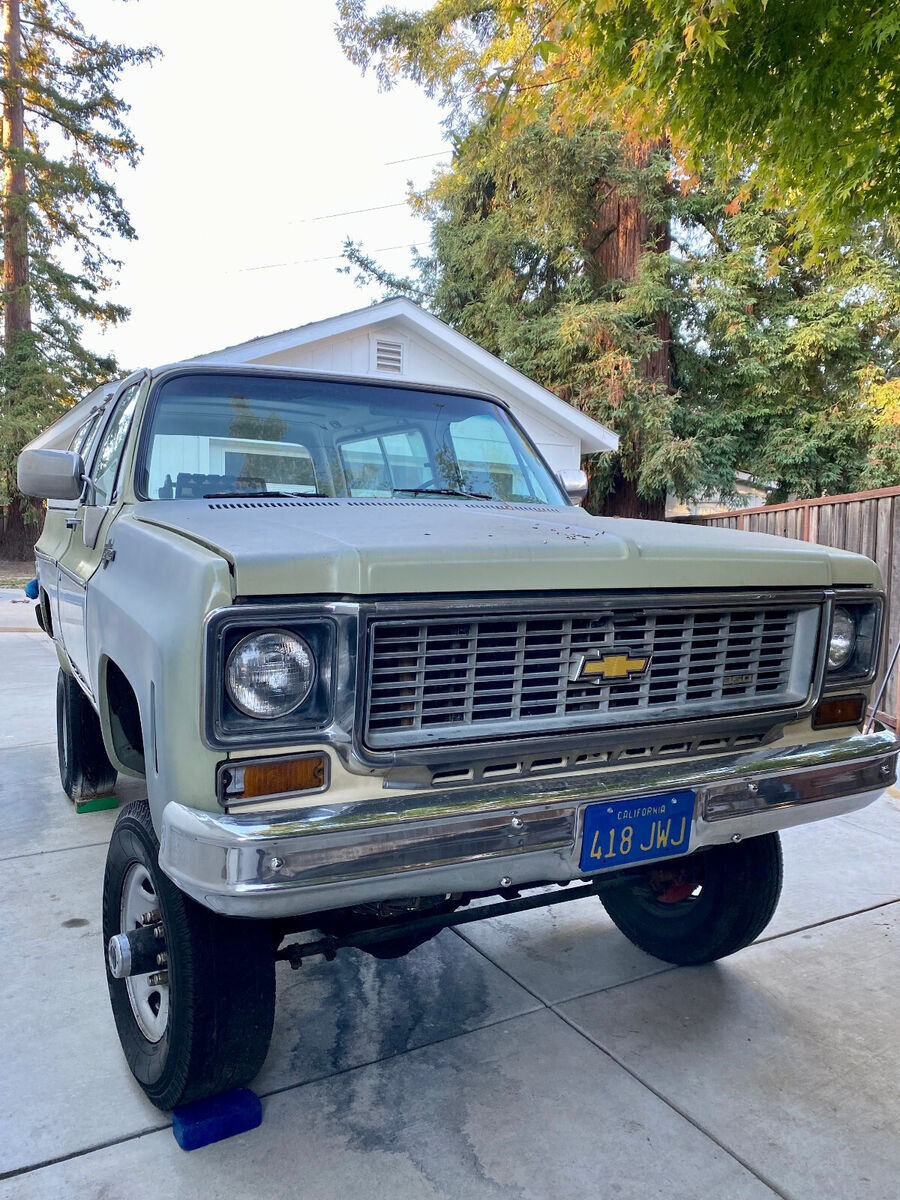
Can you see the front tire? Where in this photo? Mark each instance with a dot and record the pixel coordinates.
(206, 1027)
(704, 906)
(85, 771)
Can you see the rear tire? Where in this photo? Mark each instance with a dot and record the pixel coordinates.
(84, 767)
(206, 1028)
(704, 906)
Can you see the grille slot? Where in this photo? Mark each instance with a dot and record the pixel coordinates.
(466, 677)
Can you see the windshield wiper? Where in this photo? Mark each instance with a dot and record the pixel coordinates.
(270, 495)
(429, 491)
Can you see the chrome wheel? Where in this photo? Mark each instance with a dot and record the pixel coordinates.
(149, 1001)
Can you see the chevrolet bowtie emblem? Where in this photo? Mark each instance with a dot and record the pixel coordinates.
(617, 664)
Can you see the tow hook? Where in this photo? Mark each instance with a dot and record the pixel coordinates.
(138, 951)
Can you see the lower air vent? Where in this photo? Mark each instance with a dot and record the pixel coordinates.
(580, 761)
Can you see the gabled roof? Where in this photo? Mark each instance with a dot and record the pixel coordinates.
(401, 312)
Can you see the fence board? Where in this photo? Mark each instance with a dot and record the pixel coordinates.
(865, 523)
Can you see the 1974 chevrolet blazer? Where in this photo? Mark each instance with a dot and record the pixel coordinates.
(374, 664)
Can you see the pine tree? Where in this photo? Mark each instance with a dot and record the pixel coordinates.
(63, 132)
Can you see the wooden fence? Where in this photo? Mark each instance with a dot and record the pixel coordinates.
(865, 522)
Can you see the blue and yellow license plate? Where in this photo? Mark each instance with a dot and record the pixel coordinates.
(622, 832)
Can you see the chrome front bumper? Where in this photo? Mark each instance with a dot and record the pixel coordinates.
(484, 838)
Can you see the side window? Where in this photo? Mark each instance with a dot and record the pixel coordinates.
(487, 460)
(82, 438)
(106, 461)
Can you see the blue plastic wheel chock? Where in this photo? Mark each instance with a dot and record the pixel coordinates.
(216, 1118)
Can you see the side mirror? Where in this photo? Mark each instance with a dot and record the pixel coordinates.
(50, 474)
(574, 484)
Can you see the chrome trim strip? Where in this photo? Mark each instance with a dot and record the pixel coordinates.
(246, 865)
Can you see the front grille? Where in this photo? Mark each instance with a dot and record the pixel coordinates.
(482, 675)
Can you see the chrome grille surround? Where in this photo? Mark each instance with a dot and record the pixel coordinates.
(471, 674)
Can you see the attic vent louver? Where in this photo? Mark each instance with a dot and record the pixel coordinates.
(389, 357)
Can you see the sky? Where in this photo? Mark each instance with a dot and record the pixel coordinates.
(256, 132)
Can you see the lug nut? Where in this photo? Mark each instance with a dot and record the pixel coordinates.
(158, 978)
(151, 918)
(162, 959)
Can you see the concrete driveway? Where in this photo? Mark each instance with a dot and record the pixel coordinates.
(536, 1056)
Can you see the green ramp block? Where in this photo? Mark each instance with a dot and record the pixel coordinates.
(99, 805)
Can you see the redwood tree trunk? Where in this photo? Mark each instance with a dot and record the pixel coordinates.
(19, 524)
(16, 295)
(623, 231)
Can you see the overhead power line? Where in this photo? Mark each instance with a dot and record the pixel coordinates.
(353, 212)
(418, 157)
(299, 262)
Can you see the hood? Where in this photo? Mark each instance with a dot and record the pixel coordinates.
(354, 547)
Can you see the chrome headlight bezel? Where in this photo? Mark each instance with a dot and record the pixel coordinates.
(224, 723)
(860, 663)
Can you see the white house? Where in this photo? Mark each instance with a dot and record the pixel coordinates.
(398, 340)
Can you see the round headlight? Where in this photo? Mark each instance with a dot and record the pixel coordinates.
(843, 639)
(270, 674)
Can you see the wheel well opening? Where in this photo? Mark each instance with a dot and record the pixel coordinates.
(124, 719)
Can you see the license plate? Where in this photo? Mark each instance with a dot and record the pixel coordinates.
(622, 832)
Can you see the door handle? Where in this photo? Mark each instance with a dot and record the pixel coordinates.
(73, 522)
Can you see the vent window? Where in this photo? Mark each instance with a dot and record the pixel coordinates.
(389, 357)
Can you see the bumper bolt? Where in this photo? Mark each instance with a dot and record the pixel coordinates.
(275, 863)
(885, 769)
(505, 881)
(753, 788)
(735, 837)
(517, 822)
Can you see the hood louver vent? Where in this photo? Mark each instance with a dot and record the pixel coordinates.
(317, 502)
(389, 357)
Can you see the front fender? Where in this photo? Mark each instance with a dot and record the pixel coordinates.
(145, 612)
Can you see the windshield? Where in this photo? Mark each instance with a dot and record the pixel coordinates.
(215, 435)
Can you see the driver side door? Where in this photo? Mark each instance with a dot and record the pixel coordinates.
(84, 552)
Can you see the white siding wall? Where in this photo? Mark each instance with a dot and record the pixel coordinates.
(425, 362)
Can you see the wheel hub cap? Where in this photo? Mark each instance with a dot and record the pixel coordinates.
(149, 1001)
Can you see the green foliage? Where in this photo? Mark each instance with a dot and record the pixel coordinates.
(794, 100)
(882, 465)
(781, 350)
(75, 136)
(797, 99)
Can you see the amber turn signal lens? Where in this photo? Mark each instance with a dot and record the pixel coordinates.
(307, 774)
(839, 710)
